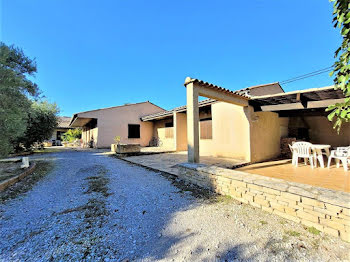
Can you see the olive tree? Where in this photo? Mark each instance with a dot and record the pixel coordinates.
(15, 90)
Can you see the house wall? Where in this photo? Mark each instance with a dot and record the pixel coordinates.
(265, 136)
(321, 131)
(180, 122)
(88, 133)
(236, 133)
(113, 122)
(159, 130)
(230, 132)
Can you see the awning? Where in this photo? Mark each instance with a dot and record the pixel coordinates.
(80, 121)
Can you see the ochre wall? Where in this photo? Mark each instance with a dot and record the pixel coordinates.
(113, 122)
(321, 132)
(181, 131)
(230, 132)
(88, 133)
(265, 135)
(159, 132)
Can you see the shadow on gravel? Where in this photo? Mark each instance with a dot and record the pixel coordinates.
(163, 246)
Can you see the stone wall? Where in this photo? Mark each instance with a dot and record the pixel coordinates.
(324, 209)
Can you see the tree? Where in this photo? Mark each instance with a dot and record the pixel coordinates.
(15, 90)
(41, 122)
(341, 19)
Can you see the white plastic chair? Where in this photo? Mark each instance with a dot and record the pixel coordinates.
(293, 155)
(342, 154)
(303, 150)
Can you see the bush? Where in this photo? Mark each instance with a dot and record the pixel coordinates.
(71, 135)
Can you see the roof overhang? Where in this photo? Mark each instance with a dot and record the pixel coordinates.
(218, 93)
(170, 113)
(79, 121)
(298, 100)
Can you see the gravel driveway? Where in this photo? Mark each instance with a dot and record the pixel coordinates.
(92, 207)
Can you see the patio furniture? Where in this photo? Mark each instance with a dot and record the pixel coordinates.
(303, 150)
(293, 155)
(318, 153)
(340, 154)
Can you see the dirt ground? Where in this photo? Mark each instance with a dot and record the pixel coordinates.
(9, 169)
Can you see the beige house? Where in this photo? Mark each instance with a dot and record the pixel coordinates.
(100, 126)
(249, 124)
(63, 127)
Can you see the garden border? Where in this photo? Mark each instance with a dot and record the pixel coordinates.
(15, 179)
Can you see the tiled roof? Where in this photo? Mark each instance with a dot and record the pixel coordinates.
(242, 92)
(166, 113)
(63, 121)
(112, 107)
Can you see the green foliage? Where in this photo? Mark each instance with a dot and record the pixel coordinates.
(313, 230)
(117, 139)
(340, 112)
(41, 122)
(15, 90)
(71, 135)
(292, 233)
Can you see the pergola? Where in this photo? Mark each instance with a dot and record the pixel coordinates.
(302, 102)
(196, 88)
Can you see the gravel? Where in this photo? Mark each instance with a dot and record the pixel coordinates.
(92, 207)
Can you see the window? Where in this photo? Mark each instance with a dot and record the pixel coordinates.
(169, 124)
(133, 131)
(205, 127)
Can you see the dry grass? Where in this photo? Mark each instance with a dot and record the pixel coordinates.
(9, 169)
(42, 169)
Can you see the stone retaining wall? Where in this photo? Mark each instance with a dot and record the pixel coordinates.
(324, 209)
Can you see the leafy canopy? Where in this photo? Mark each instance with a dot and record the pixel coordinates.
(341, 19)
(23, 120)
(15, 90)
(41, 122)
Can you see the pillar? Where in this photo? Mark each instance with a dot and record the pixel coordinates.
(192, 123)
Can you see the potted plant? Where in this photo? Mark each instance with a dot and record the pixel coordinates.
(114, 146)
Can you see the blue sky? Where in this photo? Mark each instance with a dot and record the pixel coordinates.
(93, 54)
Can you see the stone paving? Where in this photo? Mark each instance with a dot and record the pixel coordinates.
(167, 162)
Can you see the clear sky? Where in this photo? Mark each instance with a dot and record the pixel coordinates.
(92, 54)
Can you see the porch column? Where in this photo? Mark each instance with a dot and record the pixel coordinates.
(175, 130)
(192, 123)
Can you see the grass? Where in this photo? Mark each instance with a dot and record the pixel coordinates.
(49, 150)
(9, 169)
(98, 184)
(262, 222)
(222, 199)
(292, 233)
(313, 230)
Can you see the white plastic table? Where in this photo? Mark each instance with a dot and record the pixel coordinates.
(318, 153)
